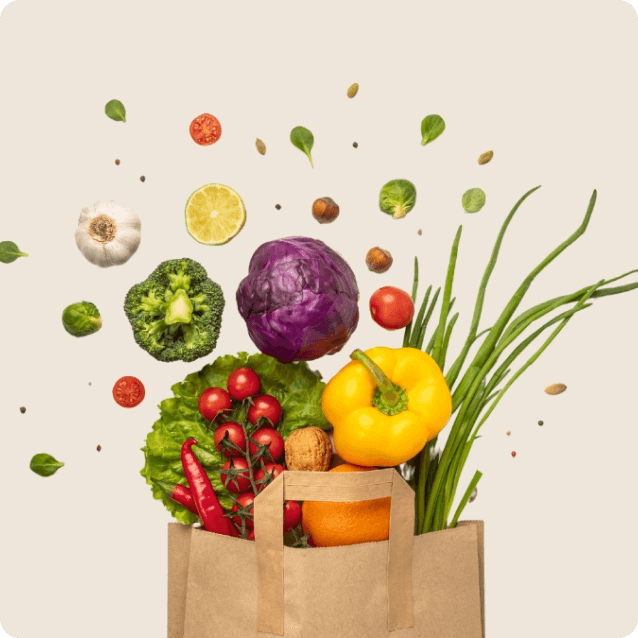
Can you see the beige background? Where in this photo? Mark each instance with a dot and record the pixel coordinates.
(550, 86)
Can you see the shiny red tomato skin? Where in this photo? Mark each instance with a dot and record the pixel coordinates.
(212, 401)
(241, 483)
(235, 434)
(267, 406)
(392, 308)
(205, 129)
(128, 392)
(275, 469)
(243, 383)
(292, 515)
(245, 500)
(267, 436)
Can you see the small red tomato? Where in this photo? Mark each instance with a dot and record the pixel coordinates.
(205, 129)
(128, 392)
(213, 401)
(235, 434)
(266, 406)
(392, 308)
(292, 515)
(243, 383)
(242, 482)
(271, 438)
(245, 500)
(251, 535)
(273, 469)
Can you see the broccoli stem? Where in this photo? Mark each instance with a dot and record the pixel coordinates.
(178, 309)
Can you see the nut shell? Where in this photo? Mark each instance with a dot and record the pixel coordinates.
(308, 450)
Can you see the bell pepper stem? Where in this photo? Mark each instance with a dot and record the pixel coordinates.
(386, 387)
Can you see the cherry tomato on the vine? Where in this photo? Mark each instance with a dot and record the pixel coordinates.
(245, 500)
(205, 129)
(128, 392)
(243, 383)
(292, 515)
(271, 438)
(235, 434)
(241, 483)
(392, 308)
(273, 469)
(213, 401)
(267, 406)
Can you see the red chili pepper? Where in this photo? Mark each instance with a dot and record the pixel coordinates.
(178, 493)
(208, 507)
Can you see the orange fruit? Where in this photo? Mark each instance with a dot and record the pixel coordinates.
(331, 524)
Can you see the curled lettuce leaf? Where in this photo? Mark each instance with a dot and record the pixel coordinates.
(297, 388)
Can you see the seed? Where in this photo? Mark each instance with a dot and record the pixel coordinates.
(508, 432)
(142, 179)
(353, 90)
(355, 145)
(277, 206)
(513, 453)
(484, 158)
(23, 410)
(474, 494)
(261, 147)
(90, 383)
(540, 423)
(117, 162)
(555, 388)
(419, 232)
(98, 448)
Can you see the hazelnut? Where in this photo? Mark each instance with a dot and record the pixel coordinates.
(325, 210)
(308, 450)
(378, 260)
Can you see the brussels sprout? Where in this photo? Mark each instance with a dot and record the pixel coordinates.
(473, 200)
(81, 319)
(397, 198)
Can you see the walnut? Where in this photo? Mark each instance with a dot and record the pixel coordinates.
(308, 450)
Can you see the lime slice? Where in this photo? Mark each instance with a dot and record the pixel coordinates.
(214, 214)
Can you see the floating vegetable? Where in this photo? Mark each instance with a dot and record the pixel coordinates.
(299, 299)
(45, 465)
(431, 127)
(392, 308)
(115, 110)
(397, 198)
(473, 200)
(81, 319)
(385, 405)
(325, 210)
(304, 140)
(108, 234)
(129, 392)
(261, 147)
(353, 90)
(9, 252)
(484, 158)
(205, 129)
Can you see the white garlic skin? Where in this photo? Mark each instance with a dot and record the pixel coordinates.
(124, 244)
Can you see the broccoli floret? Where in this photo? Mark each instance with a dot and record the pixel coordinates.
(176, 314)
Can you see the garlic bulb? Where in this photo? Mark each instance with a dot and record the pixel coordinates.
(108, 234)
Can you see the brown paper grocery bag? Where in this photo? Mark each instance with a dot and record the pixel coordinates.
(406, 587)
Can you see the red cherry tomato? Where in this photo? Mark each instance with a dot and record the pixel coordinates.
(242, 482)
(292, 515)
(266, 406)
(205, 129)
(235, 434)
(271, 438)
(213, 401)
(251, 535)
(128, 392)
(274, 469)
(392, 308)
(243, 383)
(245, 500)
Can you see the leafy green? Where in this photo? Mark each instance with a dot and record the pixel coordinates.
(115, 110)
(45, 465)
(81, 319)
(297, 388)
(303, 139)
(473, 200)
(9, 252)
(431, 127)
(397, 198)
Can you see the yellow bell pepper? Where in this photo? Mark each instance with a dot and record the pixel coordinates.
(385, 405)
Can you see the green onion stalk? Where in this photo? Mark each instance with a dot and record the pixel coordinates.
(474, 381)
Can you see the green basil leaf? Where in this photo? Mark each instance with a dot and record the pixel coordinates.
(473, 200)
(431, 127)
(115, 110)
(45, 465)
(303, 139)
(9, 252)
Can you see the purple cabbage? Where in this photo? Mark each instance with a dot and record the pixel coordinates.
(299, 299)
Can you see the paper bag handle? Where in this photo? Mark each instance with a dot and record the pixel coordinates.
(335, 487)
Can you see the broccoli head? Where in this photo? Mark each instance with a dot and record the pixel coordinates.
(176, 314)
